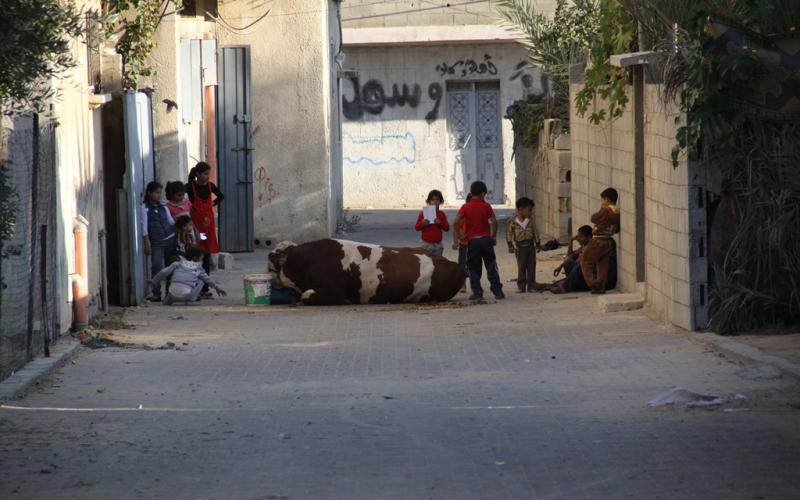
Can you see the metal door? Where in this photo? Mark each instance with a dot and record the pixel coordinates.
(139, 171)
(234, 152)
(474, 146)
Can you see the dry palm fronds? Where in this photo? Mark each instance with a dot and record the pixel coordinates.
(758, 279)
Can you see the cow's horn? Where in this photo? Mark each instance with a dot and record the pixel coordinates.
(283, 245)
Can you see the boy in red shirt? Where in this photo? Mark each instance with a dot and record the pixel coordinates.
(432, 230)
(480, 229)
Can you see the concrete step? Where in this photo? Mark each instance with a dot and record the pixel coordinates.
(618, 302)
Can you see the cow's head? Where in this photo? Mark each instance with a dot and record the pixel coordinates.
(276, 261)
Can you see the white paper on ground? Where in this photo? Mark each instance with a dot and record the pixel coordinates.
(680, 396)
(429, 212)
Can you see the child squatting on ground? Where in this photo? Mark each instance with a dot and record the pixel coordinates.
(186, 278)
(523, 241)
(480, 229)
(432, 229)
(157, 232)
(595, 257)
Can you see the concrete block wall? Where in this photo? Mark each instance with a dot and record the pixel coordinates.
(667, 213)
(603, 156)
(548, 184)
(675, 279)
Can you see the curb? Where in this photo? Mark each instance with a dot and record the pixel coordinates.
(23, 379)
(744, 352)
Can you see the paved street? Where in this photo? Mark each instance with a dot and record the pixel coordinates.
(537, 396)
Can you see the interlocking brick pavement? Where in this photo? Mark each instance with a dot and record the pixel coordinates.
(533, 397)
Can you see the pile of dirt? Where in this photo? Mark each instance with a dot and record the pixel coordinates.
(100, 339)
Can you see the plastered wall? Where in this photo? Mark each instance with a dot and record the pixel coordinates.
(294, 92)
(372, 14)
(396, 151)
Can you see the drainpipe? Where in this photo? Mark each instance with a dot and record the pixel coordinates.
(80, 280)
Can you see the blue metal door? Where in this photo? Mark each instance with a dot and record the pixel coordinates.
(234, 151)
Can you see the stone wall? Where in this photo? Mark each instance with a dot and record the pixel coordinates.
(674, 222)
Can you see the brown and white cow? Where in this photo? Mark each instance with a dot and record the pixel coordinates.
(334, 272)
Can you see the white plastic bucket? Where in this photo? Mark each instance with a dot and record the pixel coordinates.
(257, 289)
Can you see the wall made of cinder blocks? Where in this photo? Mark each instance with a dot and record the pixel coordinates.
(547, 183)
(667, 214)
(602, 157)
(675, 278)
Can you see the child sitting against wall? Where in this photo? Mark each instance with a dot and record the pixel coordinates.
(572, 259)
(187, 278)
(432, 229)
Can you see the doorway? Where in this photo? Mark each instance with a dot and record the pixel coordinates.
(234, 151)
(474, 150)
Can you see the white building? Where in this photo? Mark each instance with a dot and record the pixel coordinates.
(258, 99)
(424, 92)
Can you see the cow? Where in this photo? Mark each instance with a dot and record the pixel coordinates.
(338, 272)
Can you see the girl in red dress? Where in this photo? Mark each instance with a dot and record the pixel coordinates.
(200, 191)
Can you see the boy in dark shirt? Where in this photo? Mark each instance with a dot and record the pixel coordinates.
(480, 230)
(596, 255)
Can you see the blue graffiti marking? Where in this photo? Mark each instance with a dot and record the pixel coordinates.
(380, 150)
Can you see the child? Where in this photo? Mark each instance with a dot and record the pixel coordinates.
(177, 202)
(583, 238)
(187, 278)
(432, 231)
(200, 190)
(596, 255)
(460, 244)
(480, 229)
(184, 238)
(157, 233)
(523, 240)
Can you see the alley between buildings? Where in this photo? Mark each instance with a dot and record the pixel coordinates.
(537, 396)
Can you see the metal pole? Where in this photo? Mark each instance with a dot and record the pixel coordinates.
(33, 236)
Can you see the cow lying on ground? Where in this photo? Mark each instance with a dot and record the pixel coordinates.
(335, 272)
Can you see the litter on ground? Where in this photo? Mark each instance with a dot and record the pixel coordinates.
(683, 397)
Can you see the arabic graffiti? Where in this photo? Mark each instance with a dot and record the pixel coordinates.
(373, 99)
(380, 150)
(468, 67)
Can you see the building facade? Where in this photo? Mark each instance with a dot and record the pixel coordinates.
(257, 96)
(54, 165)
(425, 88)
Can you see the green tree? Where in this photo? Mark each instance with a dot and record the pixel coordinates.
(554, 44)
(35, 40)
